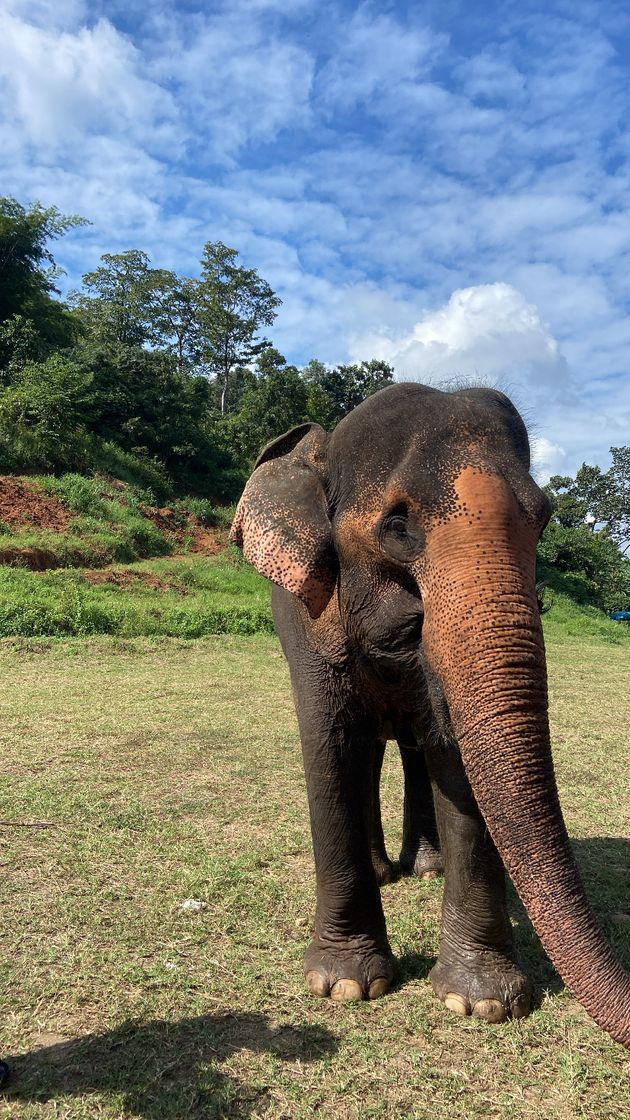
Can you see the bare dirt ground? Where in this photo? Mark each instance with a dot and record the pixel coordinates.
(24, 506)
(126, 577)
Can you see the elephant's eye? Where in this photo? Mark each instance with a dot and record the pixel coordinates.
(401, 536)
(398, 525)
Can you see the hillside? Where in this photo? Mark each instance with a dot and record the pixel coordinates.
(77, 522)
(82, 556)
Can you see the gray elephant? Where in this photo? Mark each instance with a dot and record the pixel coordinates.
(403, 549)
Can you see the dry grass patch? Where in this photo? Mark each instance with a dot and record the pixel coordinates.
(139, 774)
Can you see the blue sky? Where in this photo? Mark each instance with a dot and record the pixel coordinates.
(444, 185)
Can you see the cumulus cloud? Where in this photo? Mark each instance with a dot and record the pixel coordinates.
(489, 331)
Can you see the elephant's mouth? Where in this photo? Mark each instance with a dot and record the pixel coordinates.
(388, 634)
(390, 668)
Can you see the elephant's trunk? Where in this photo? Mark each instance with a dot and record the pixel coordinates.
(483, 639)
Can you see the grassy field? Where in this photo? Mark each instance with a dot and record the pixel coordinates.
(140, 773)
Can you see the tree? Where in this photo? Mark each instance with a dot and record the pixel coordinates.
(173, 315)
(599, 499)
(589, 532)
(28, 270)
(335, 391)
(234, 304)
(276, 401)
(42, 416)
(116, 304)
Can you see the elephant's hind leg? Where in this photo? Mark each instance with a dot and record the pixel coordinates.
(420, 853)
(476, 971)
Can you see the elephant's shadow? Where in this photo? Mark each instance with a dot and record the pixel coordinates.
(604, 864)
(164, 1069)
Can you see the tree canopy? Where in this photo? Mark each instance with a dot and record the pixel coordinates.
(588, 536)
(174, 370)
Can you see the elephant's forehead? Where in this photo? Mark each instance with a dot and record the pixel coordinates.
(373, 477)
(438, 484)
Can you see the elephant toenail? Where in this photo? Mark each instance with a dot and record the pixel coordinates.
(378, 987)
(521, 1006)
(430, 875)
(492, 1010)
(317, 983)
(346, 990)
(457, 1004)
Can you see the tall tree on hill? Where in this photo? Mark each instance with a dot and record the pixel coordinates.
(173, 309)
(115, 304)
(27, 278)
(235, 303)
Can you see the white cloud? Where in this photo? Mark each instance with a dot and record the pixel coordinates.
(547, 458)
(60, 85)
(374, 56)
(489, 331)
(49, 13)
(239, 80)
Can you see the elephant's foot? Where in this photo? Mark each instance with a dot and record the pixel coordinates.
(384, 869)
(424, 861)
(486, 984)
(348, 972)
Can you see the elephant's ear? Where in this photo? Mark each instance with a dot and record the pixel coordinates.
(282, 521)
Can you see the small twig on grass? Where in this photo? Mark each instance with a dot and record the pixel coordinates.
(27, 824)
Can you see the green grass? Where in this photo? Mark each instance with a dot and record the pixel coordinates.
(192, 596)
(185, 598)
(568, 619)
(137, 774)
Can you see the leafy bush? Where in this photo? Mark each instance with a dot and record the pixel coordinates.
(41, 416)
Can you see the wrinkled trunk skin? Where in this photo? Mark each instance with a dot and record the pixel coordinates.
(482, 639)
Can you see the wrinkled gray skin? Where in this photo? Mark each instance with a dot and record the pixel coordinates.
(403, 550)
(420, 852)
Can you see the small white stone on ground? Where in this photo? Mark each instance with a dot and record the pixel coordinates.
(194, 904)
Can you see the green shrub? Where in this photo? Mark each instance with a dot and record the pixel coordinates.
(146, 475)
(80, 494)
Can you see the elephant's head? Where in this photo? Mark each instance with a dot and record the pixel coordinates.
(418, 520)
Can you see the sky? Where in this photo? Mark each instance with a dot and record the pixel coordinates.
(442, 185)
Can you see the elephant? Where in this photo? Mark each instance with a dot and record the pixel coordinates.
(420, 852)
(402, 551)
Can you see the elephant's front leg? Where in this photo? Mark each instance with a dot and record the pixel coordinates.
(383, 867)
(349, 957)
(477, 971)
